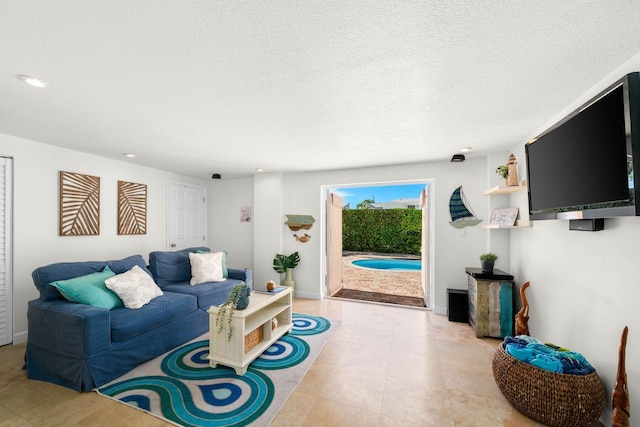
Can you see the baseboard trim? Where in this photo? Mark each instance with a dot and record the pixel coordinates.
(442, 311)
(20, 337)
(307, 295)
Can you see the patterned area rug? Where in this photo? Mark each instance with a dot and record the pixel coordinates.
(180, 386)
(379, 297)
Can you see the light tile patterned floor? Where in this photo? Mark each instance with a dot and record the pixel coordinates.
(397, 366)
(384, 366)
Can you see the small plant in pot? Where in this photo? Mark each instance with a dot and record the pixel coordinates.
(285, 264)
(487, 261)
(238, 299)
(503, 171)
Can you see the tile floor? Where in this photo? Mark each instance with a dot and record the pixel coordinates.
(384, 366)
(398, 366)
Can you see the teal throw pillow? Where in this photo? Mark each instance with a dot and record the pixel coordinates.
(90, 290)
(225, 272)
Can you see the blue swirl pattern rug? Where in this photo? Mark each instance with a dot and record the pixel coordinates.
(180, 386)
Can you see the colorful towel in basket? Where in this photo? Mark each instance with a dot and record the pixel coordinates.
(547, 356)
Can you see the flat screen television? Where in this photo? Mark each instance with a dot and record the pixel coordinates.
(583, 167)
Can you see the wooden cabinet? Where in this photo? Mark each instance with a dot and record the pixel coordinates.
(238, 353)
(491, 303)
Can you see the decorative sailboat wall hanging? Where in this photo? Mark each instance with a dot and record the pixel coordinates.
(461, 214)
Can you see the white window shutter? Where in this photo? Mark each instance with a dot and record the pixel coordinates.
(6, 282)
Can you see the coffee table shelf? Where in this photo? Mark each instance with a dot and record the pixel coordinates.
(259, 314)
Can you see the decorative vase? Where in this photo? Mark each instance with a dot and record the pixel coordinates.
(271, 285)
(288, 279)
(487, 266)
(243, 302)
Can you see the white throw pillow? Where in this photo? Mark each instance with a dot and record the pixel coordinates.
(206, 268)
(134, 287)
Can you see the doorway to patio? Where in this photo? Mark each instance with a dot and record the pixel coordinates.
(388, 280)
(380, 277)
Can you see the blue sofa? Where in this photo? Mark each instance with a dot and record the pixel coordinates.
(83, 347)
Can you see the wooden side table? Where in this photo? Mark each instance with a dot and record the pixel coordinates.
(491, 304)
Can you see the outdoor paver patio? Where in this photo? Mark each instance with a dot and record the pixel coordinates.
(404, 283)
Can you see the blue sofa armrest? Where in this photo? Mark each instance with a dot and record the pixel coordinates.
(241, 274)
(68, 329)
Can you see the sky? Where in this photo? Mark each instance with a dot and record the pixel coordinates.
(380, 194)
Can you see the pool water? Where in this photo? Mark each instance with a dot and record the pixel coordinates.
(389, 263)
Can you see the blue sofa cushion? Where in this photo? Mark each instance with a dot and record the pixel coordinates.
(208, 294)
(43, 276)
(172, 267)
(89, 289)
(127, 324)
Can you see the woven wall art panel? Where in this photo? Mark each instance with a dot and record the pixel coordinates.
(79, 204)
(132, 208)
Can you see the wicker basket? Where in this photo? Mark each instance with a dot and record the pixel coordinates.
(560, 400)
(253, 338)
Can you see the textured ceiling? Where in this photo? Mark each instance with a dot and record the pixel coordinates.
(196, 87)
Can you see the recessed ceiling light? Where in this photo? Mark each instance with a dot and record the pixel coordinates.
(259, 170)
(129, 155)
(33, 81)
(465, 149)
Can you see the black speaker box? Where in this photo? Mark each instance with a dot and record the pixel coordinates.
(595, 224)
(458, 305)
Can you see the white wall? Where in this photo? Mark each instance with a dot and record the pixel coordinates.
(35, 206)
(276, 195)
(225, 231)
(268, 198)
(585, 286)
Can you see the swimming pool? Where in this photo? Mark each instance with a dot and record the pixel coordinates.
(389, 263)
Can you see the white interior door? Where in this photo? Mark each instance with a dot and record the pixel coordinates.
(187, 215)
(334, 256)
(6, 274)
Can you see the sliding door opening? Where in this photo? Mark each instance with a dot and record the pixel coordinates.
(378, 244)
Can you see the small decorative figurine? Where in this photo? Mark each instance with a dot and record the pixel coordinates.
(522, 316)
(512, 178)
(302, 239)
(297, 222)
(620, 395)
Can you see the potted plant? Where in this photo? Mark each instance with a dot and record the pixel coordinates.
(285, 264)
(238, 299)
(503, 171)
(487, 260)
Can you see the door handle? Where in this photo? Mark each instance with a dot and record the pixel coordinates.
(173, 245)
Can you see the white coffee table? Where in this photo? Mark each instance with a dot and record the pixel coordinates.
(262, 309)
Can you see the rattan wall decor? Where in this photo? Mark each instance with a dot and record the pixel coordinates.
(132, 208)
(79, 204)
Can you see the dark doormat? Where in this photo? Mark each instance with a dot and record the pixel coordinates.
(379, 297)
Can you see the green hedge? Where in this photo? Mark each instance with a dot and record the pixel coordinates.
(395, 231)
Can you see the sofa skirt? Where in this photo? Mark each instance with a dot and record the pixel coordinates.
(87, 373)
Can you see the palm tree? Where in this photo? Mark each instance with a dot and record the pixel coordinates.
(363, 204)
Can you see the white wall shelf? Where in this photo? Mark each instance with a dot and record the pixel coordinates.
(520, 223)
(502, 191)
(495, 191)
